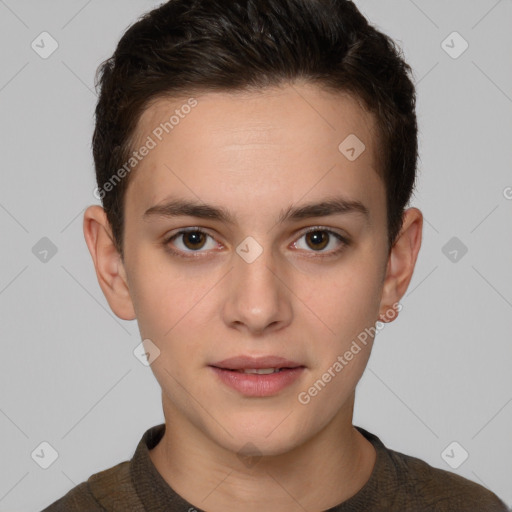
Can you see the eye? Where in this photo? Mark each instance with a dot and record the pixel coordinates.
(319, 238)
(190, 240)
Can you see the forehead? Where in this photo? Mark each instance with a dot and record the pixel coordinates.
(281, 143)
(258, 115)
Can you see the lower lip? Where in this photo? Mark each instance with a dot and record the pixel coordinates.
(258, 385)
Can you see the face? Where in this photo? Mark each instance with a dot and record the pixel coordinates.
(248, 232)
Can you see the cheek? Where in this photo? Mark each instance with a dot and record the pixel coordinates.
(159, 294)
(346, 299)
(151, 304)
(167, 314)
(348, 305)
(171, 305)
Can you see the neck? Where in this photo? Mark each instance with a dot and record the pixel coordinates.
(322, 472)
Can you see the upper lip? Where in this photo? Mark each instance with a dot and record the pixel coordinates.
(248, 362)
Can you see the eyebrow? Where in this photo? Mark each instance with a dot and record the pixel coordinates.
(330, 206)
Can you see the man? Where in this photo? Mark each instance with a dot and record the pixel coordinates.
(255, 160)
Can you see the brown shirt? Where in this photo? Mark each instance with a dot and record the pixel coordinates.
(398, 483)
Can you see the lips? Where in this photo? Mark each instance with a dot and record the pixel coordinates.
(243, 363)
(240, 375)
(258, 377)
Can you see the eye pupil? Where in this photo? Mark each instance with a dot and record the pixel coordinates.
(318, 237)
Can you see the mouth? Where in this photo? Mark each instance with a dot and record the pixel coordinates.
(258, 371)
(258, 376)
(262, 365)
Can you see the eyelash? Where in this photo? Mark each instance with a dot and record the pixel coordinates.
(198, 254)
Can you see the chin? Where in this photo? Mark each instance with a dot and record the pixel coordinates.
(259, 446)
(253, 435)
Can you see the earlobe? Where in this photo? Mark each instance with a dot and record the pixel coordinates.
(401, 263)
(107, 261)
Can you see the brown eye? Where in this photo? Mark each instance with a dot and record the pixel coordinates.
(317, 239)
(193, 239)
(322, 242)
(190, 241)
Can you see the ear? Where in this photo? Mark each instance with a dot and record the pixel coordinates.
(109, 266)
(401, 262)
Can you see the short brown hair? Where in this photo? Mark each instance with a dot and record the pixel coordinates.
(188, 46)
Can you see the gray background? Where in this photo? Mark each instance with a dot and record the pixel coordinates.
(438, 374)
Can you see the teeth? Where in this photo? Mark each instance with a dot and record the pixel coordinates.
(260, 371)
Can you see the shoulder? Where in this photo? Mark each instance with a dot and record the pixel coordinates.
(79, 498)
(440, 490)
(110, 489)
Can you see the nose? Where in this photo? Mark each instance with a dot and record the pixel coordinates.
(257, 297)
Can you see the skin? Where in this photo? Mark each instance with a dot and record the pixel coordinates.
(255, 154)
